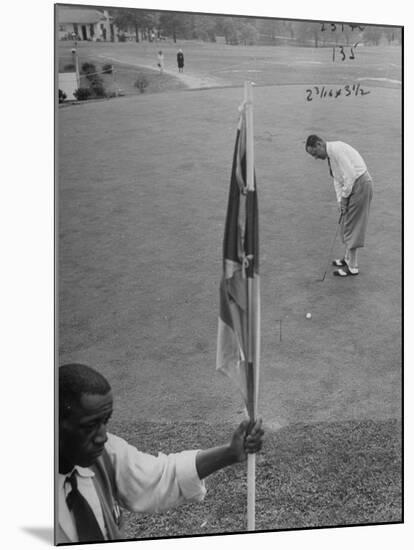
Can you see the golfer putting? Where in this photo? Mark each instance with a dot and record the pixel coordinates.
(353, 187)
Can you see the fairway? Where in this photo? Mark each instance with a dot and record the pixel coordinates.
(142, 193)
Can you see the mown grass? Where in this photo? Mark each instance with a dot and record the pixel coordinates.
(232, 65)
(142, 186)
(124, 78)
(318, 475)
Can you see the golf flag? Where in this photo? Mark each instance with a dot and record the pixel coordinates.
(238, 342)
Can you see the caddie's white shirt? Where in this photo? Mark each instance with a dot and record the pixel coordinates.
(146, 483)
(347, 166)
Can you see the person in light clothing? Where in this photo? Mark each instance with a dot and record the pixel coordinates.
(100, 473)
(353, 187)
(160, 61)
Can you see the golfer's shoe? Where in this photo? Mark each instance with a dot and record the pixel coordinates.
(339, 263)
(346, 272)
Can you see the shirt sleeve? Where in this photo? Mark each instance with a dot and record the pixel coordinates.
(343, 170)
(348, 178)
(148, 483)
(338, 189)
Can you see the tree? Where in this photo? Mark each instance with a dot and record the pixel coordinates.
(290, 28)
(205, 28)
(372, 34)
(308, 30)
(248, 34)
(229, 30)
(270, 30)
(139, 20)
(393, 34)
(176, 24)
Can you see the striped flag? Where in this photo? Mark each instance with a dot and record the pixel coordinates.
(238, 339)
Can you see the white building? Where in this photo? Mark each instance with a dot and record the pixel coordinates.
(85, 24)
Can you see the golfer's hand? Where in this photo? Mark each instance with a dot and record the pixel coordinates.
(248, 438)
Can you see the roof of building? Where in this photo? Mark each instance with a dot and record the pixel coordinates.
(78, 15)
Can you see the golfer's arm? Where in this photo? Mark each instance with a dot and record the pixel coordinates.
(347, 176)
(211, 460)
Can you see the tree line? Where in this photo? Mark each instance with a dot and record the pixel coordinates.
(152, 25)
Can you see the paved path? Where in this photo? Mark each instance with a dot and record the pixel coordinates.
(190, 79)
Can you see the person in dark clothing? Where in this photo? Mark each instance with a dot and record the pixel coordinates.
(180, 61)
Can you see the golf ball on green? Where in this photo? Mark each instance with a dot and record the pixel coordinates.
(308, 316)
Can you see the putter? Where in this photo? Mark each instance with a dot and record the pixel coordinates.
(332, 247)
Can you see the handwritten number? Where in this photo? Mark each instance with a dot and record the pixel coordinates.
(342, 51)
(353, 26)
(346, 90)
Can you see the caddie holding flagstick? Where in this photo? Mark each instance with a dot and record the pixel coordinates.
(353, 187)
(99, 473)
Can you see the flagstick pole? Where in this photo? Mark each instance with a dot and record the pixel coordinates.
(248, 98)
(251, 458)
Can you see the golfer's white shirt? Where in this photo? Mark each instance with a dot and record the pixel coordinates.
(146, 483)
(347, 166)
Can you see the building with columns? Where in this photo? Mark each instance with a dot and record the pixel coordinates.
(85, 23)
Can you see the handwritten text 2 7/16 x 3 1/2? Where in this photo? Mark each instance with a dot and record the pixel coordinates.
(345, 91)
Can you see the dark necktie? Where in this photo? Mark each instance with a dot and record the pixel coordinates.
(330, 167)
(86, 524)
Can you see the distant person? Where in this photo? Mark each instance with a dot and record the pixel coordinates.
(99, 472)
(180, 60)
(160, 62)
(353, 187)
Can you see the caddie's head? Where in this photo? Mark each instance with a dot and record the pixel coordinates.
(85, 407)
(316, 147)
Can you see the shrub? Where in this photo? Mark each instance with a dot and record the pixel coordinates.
(82, 94)
(88, 68)
(62, 96)
(98, 89)
(95, 79)
(141, 83)
(96, 85)
(107, 68)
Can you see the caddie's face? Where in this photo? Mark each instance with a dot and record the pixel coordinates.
(318, 151)
(82, 435)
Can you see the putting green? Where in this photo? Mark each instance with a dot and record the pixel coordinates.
(143, 185)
